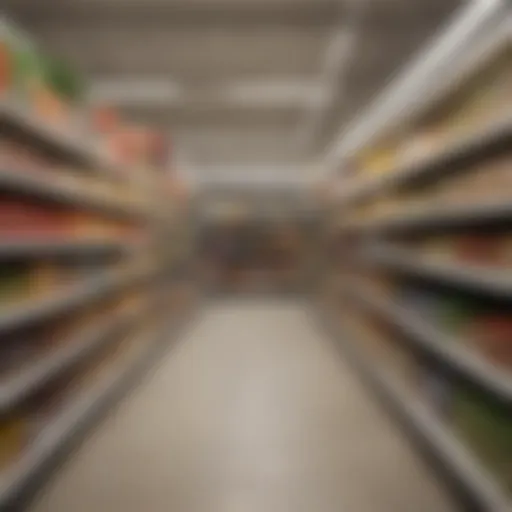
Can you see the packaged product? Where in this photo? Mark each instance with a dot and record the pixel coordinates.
(6, 67)
(419, 146)
(131, 301)
(489, 181)
(439, 247)
(456, 314)
(507, 251)
(82, 224)
(379, 160)
(66, 86)
(15, 282)
(487, 250)
(477, 249)
(45, 278)
(486, 427)
(452, 313)
(13, 439)
(491, 332)
(21, 218)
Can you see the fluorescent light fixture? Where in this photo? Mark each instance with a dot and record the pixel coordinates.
(260, 93)
(128, 91)
(273, 93)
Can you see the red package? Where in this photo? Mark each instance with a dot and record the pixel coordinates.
(105, 119)
(20, 218)
(493, 335)
(480, 250)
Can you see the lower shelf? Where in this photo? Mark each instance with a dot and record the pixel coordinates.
(449, 351)
(30, 378)
(475, 487)
(20, 482)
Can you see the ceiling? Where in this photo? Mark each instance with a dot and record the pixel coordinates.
(241, 84)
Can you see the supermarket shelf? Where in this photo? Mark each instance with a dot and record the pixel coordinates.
(15, 115)
(437, 218)
(15, 389)
(476, 488)
(49, 188)
(448, 350)
(494, 283)
(72, 297)
(476, 33)
(462, 153)
(34, 248)
(20, 482)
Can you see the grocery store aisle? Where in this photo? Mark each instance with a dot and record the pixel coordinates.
(252, 411)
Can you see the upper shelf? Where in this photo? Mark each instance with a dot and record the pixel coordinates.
(435, 218)
(464, 152)
(477, 33)
(14, 116)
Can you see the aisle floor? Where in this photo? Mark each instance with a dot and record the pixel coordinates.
(251, 411)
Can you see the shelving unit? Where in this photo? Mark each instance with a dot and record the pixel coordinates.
(60, 303)
(28, 380)
(422, 336)
(425, 221)
(474, 485)
(85, 290)
(14, 115)
(492, 140)
(23, 478)
(474, 278)
(68, 193)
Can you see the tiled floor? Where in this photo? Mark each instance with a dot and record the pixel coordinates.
(252, 411)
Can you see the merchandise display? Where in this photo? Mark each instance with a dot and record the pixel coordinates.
(399, 219)
(32, 417)
(478, 420)
(425, 285)
(79, 256)
(483, 102)
(486, 183)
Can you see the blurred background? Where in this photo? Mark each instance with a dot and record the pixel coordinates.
(301, 210)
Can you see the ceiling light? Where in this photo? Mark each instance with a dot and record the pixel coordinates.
(135, 91)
